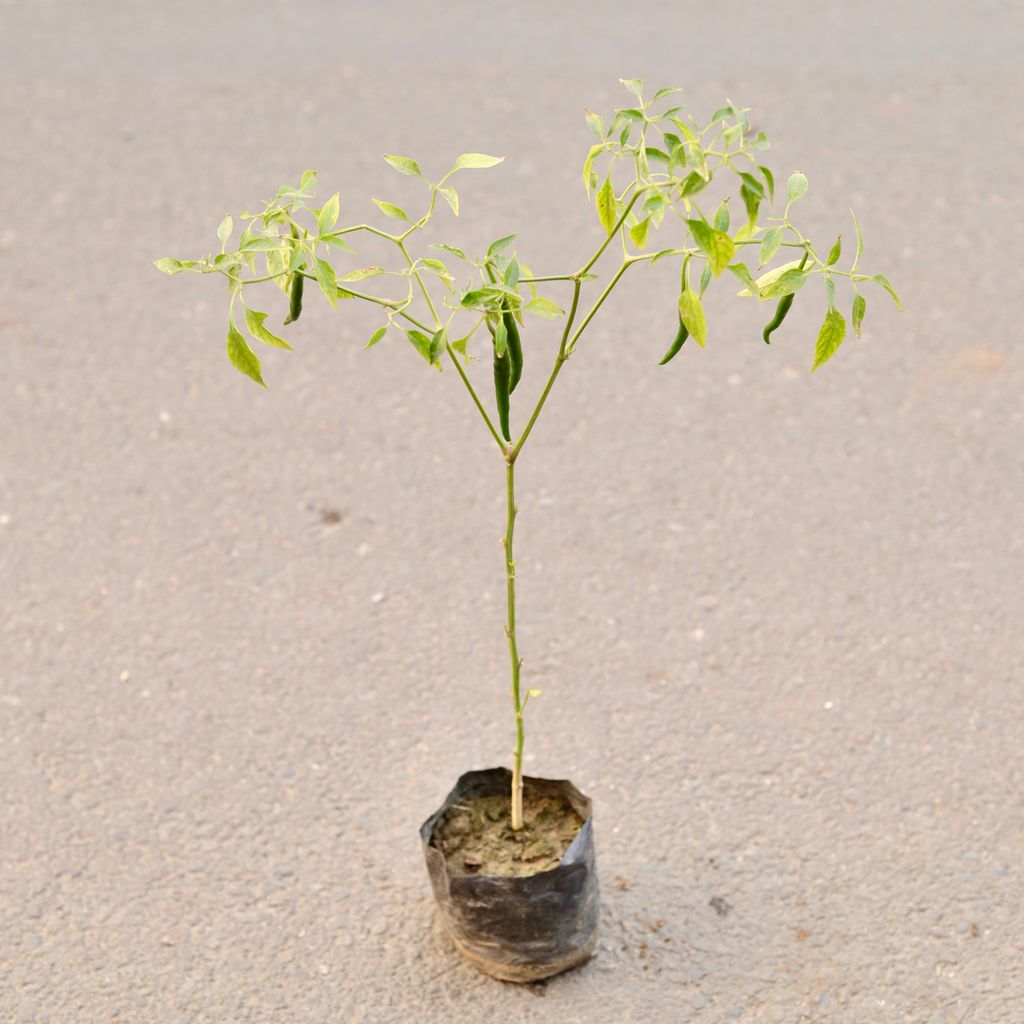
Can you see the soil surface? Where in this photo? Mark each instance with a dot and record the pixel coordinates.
(477, 838)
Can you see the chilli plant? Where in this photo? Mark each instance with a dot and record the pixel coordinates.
(650, 174)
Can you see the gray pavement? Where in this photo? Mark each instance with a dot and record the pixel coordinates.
(248, 640)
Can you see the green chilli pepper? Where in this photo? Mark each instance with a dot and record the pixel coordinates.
(295, 292)
(776, 321)
(682, 333)
(780, 311)
(515, 350)
(502, 375)
(295, 298)
(677, 344)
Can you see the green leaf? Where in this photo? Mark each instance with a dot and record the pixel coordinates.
(692, 312)
(337, 241)
(327, 280)
(588, 164)
(772, 276)
(752, 183)
(859, 309)
(662, 253)
(635, 86)
(655, 206)
(254, 323)
(717, 246)
(404, 165)
(328, 216)
(543, 307)
(732, 133)
(510, 275)
(787, 283)
(224, 230)
(477, 297)
(308, 182)
(437, 346)
(664, 92)
(376, 336)
(361, 274)
(883, 281)
(638, 232)
(470, 160)
(769, 181)
(451, 197)
(262, 243)
(835, 252)
(721, 221)
(770, 244)
(500, 244)
(705, 279)
(437, 268)
(277, 266)
(421, 342)
(242, 357)
(830, 289)
(692, 184)
(169, 265)
(451, 249)
(751, 202)
(830, 337)
(606, 205)
(595, 122)
(688, 130)
(740, 271)
(428, 346)
(796, 186)
(390, 210)
(655, 154)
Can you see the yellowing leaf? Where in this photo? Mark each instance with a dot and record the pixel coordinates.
(242, 357)
(830, 337)
(470, 160)
(692, 312)
(606, 205)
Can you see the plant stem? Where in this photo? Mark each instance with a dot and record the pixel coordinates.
(421, 283)
(614, 231)
(559, 360)
(626, 264)
(513, 651)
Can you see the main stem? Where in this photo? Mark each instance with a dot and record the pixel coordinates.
(513, 651)
(511, 453)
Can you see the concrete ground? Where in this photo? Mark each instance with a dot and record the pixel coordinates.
(248, 640)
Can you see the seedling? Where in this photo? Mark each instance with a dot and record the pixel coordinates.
(649, 174)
